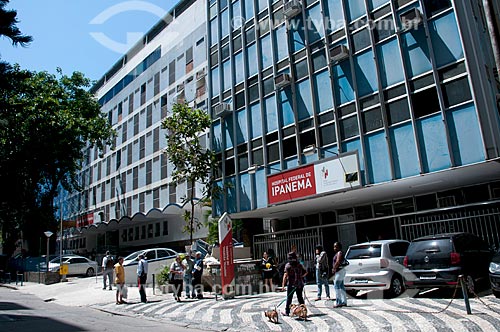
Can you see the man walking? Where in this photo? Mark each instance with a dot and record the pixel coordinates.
(142, 276)
(107, 270)
(188, 276)
(322, 272)
(197, 273)
(339, 274)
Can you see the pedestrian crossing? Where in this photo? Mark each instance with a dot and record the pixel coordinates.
(246, 313)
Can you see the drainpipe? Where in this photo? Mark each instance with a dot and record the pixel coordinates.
(489, 12)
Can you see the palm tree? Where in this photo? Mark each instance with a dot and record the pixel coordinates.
(8, 26)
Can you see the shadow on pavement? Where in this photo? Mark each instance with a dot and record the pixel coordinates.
(12, 306)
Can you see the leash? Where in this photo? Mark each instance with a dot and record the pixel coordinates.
(288, 295)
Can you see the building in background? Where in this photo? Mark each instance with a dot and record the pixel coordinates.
(354, 120)
(129, 200)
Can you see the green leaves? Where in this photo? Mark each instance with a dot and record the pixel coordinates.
(192, 159)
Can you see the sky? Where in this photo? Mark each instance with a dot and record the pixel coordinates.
(89, 36)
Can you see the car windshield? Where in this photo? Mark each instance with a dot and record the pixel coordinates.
(364, 251)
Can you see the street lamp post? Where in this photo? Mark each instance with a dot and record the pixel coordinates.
(48, 234)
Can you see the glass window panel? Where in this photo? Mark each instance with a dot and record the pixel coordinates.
(304, 100)
(249, 11)
(215, 81)
(319, 60)
(349, 127)
(391, 67)
(398, 111)
(261, 5)
(281, 43)
(425, 102)
(273, 152)
(236, 22)
(256, 121)
(416, 52)
(315, 24)
(271, 114)
(361, 39)
(376, 3)
(224, 18)
(267, 55)
(372, 119)
(432, 6)
(226, 81)
(456, 92)
(301, 70)
(252, 60)
(355, 9)
(250, 35)
(228, 129)
(286, 107)
(343, 84)
(446, 40)
(323, 90)
(384, 28)
(298, 35)
(239, 67)
(241, 127)
(253, 93)
(327, 135)
(366, 77)
(214, 36)
(335, 16)
(217, 139)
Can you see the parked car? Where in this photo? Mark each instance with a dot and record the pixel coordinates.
(77, 265)
(438, 260)
(157, 259)
(376, 265)
(495, 274)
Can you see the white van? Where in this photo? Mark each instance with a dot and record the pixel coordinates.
(157, 259)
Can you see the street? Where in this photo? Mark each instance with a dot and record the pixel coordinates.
(85, 306)
(25, 312)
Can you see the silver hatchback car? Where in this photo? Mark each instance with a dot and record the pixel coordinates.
(376, 265)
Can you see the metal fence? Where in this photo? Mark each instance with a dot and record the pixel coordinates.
(482, 222)
(281, 242)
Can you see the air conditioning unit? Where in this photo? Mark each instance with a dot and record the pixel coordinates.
(281, 80)
(222, 110)
(201, 73)
(180, 87)
(339, 53)
(292, 8)
(410, 19)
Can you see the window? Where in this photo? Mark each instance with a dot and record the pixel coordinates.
(165, 228)
(323, 90)
(143, 94)
(456, 92)
(391, 67)
(172, 193)
(361, 40)
(425, 102)
(349, 127)
(397, 111)
(372, 120)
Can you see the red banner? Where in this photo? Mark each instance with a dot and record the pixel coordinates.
(291, 184)
(226, 256)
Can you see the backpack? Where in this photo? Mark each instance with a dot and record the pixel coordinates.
(110, 263)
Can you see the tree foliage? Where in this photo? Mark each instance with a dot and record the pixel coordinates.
(191, 159)
(8, 26)
(46, 121)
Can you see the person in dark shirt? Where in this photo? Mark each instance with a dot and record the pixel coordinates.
(294, 280)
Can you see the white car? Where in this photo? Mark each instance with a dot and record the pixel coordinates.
(376, 265)
(77, 265)
(157, 259)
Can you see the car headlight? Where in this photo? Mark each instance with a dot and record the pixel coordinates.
(494, 268)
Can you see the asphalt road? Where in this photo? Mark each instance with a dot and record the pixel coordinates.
(25, 312)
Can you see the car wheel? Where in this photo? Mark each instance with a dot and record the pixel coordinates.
(352, 292)
(90, 272)
(496, 293)
(396, 288)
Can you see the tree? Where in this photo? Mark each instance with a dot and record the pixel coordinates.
(192, 160)
(8, 26)
(46, 122)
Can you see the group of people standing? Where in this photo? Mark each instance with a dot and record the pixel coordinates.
(295, 273)
(187, 272)
(109, 267)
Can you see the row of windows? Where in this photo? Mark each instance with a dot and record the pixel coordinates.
(144, 232)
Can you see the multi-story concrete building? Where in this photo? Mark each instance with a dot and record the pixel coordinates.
(354, 120)
(129, 199)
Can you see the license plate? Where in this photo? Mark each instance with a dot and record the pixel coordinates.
(360, 281)
(427, 277)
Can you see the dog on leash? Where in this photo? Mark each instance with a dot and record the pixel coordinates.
(272, 315)
(299, 310)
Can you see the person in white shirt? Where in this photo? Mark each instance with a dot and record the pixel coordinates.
(142, 276)
(107, 270)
